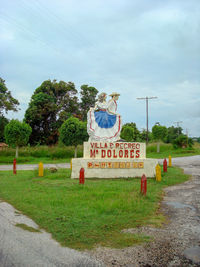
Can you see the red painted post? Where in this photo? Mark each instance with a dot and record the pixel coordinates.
(164, 165)
(144, 185)
(82, 176)
(14, 166)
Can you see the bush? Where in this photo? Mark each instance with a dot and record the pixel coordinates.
(182, 141)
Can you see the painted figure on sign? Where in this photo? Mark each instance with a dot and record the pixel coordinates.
(103, 123)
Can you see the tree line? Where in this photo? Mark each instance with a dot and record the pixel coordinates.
(53, 103)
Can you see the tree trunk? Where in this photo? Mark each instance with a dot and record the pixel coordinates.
(16, 154)
(75, 152)
(158, 147)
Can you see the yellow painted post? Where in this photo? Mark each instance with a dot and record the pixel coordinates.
(158, 173)
(41, 169)
(170, 161)
(71, 165)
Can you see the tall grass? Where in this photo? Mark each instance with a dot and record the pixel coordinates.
(46, 153)
(168, 149)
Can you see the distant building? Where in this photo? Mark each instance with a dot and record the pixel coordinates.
(3, 146)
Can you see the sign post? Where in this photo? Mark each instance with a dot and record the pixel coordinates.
(14, 166)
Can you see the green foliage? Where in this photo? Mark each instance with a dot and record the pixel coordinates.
(183, 141)
(127, 133)
(51, 104)
(88, 98)
(130, 132)
(169, 149)
(7, 102)
(17, 133)
(172, 134)
(83, 217)
(3, 123)
(73, 132)
(159, 132)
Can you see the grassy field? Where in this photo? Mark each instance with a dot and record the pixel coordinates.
(58, 154)
(85, 216)
(167, 149)
(45, 154)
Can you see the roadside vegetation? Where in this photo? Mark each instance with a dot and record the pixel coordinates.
(85, 216)
(62, 154)
(169, 149)
(45, 154)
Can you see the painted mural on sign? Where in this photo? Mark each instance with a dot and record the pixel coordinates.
(103, 122)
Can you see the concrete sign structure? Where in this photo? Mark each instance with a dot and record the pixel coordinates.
(114, 160)
(106, 157)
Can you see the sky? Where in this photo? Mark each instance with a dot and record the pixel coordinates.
(138, 48)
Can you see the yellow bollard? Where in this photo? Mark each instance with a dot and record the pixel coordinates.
(158, 173)
(41, 169)
(71, 165)
(170, 161)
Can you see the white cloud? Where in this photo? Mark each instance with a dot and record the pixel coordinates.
(138, 48)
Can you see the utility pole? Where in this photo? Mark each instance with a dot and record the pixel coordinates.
(178, 125)
(147, 100)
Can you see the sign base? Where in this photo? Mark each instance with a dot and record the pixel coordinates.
(114, 168)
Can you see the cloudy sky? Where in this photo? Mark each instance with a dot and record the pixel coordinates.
(138, 48)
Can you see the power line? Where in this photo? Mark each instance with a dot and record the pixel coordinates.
(147, 104)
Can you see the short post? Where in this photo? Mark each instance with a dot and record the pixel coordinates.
(41, 169)
(170, 161)
(164, 165)
(71, 165)
(14, 166)
(82, 176)
(143, 185)
(158, 173)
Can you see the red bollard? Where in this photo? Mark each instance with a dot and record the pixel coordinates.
(14, 166)
(144, 185)
(164, 165)
(82, 176)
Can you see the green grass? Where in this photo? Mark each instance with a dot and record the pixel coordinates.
(32, 160)
(45, 154)
(62, 154)
(27, 228)
(84, 216)
(167, 149)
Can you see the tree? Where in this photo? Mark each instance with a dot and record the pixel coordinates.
(143, 135)
(172, 134)
(3, 123)
(73, 132)
(183, 141)
(7, 102)
(51, 104)
(88, 98)
(17, 134)
(159, 133)
(129, 135)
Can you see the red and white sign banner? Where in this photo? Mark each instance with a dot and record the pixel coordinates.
(116, 150)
